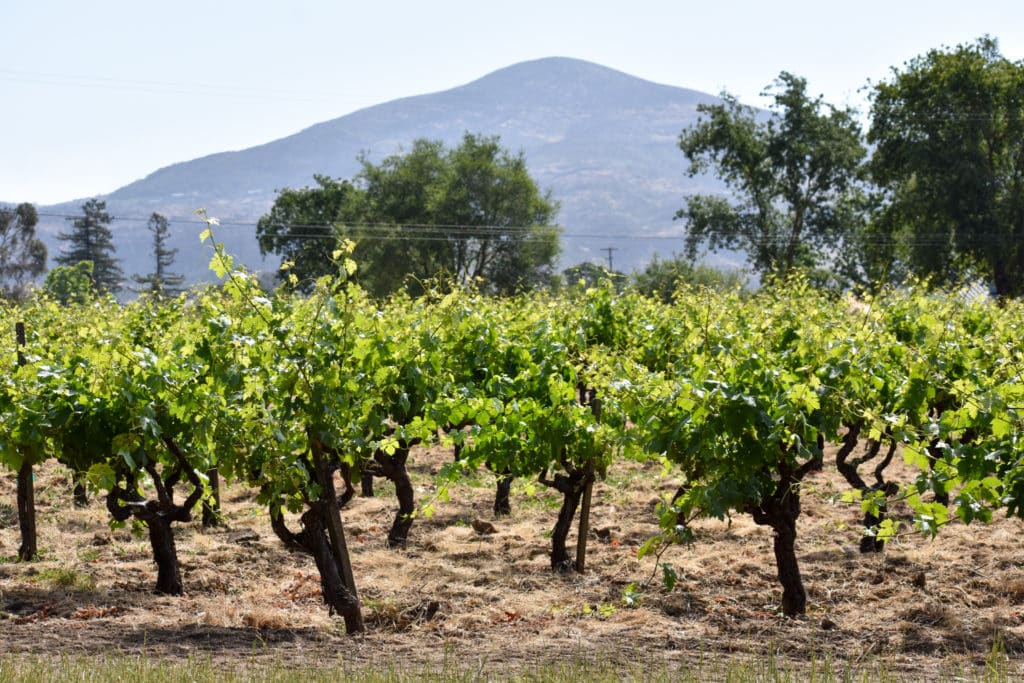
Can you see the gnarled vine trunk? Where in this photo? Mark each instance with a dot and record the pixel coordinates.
(848, 468)
(503, 494)
(393, 468)
(80, 495)
(159, 515)
(571, 487)
(366, 485)
(315, 540)
(336, 595)
(780, 511)
(794, 597)
(165, 554)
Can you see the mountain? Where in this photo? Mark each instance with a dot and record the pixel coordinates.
(602, 141)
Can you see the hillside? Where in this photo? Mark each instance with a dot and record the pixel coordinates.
(602, 141)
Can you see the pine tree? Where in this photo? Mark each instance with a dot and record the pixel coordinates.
(160, 283)
(91, 240)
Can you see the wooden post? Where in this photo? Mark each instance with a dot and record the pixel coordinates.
(19, 333)
(26, 488)
(353, 614)
(588, 486)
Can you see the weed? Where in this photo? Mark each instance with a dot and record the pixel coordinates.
(66, 578)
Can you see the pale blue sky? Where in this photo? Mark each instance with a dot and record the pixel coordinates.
(98, 94)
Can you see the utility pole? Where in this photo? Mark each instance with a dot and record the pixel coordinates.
(610, 250)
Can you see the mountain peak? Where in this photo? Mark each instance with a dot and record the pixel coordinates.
(568, 77)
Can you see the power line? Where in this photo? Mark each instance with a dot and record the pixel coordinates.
(285, 94)
(429, 232)
(385, 230)
(192, 220)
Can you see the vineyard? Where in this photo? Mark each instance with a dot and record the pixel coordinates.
(527, 476)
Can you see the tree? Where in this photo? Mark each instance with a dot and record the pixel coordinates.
(504, 235)
(304, 226)
(91, 240)
(587, 274)
(70, 284)
(793, 177)
(160, 283)
(949, 137)
(22, 254)
(662, 278)
(470, 213)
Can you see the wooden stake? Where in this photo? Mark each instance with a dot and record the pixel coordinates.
(588, 486)
(353, 615)
(26, 487)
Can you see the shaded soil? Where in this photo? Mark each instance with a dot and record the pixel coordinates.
(490, 599)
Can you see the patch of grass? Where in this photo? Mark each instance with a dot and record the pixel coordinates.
(383, 488)
(771, 667)
(66, 578)
(88, 554)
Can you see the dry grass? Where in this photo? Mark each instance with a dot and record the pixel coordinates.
(490, 599)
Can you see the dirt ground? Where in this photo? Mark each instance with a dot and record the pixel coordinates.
(489, 600)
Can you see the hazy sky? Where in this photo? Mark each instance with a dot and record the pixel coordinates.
(98, 94)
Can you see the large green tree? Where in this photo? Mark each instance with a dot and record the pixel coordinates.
(948, 131)
(161, 282)
(304, 225)
(90, 239)
(22, 254)
(471, 212)
(792, 175)
(587, 275)
(662, 278)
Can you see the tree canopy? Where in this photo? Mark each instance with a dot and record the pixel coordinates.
(90, 239)
(948, 131)
(22, 254)
(662, 278)
(471, 212)
(304, 225)
(792, 175)
(70, 284)
(586, 275)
